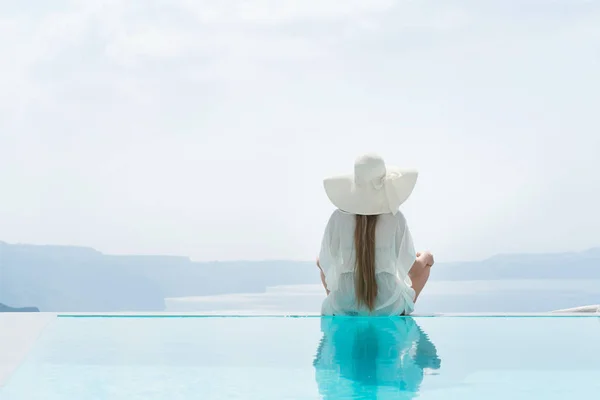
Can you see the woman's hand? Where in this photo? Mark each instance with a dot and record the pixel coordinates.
(426, 257)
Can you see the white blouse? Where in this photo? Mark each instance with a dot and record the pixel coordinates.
(394, 256)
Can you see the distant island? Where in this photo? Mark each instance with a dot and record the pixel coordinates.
(79, 279)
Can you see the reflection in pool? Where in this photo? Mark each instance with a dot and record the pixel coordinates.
(491, 358)
(373, 358)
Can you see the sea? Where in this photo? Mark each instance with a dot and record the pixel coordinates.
(477, 296)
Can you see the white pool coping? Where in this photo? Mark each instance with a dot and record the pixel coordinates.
(19, 331)
(578, 311)
(583, 309)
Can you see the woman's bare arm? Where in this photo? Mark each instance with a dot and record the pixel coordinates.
(419, 273)
(322, 277)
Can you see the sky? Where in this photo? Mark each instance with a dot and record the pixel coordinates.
(205, 128)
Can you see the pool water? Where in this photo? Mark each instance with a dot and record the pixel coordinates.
(88, 358)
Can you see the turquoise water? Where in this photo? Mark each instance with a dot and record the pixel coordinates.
(312, 358)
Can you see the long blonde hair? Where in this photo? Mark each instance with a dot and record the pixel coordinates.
(364, 245)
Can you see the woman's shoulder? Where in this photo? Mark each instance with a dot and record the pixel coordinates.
(339, 217)
(400, 217)
(337, 213)
(391, 223)
(397, 218)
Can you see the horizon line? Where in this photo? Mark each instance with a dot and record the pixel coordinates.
(270, 260)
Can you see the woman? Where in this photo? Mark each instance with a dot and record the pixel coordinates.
(367, 260)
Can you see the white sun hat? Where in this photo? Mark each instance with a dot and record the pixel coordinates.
(374, 188)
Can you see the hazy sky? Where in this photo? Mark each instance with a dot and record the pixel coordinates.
(204, 128)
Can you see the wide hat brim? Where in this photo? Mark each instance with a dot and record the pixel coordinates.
(370, 198)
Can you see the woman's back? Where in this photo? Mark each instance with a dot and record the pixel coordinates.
(394, 256)
(389, 229)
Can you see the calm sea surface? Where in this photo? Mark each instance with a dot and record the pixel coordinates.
(438, 297)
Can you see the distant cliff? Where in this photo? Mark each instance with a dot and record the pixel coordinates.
(5, 308)
(571, 265)
(72, 279)
(56, 278)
